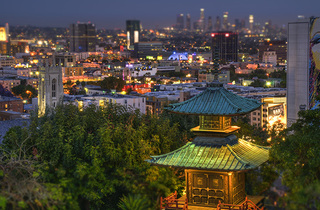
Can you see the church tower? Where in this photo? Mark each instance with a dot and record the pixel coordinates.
(50, 87)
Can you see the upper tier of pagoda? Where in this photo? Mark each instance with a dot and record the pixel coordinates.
(216, 101)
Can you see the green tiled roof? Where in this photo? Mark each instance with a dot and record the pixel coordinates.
(216, 101)
(212, 153)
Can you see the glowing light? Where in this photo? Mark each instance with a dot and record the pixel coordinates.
(212, 35)
(268, 83)
(227, 35)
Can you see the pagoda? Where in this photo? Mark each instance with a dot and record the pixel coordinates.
(215, 162)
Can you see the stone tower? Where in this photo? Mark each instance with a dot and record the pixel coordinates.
(50, 87)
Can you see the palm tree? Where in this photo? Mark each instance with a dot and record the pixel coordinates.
(133, 202)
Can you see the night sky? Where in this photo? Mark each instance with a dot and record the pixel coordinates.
(152, 13)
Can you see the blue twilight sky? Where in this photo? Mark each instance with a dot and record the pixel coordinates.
(152, 13)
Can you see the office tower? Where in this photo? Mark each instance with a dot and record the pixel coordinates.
(82, 37)
(7, 31)
(243, 23)
(225, 21)
(180, 22)
(188, 22)
(4, 39)
(18, 46)
(133, 33)
(303, 77)
(202, 22)
(209, 23)
(147, 50)
(217, 25)
(251, 23)
(226, 43)
(237, 25)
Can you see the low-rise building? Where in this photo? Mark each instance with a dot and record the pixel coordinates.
(9, 83)
(11, 104)
(134, 102)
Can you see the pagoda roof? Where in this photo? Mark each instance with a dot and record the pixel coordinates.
(212, 153)
(215, 101)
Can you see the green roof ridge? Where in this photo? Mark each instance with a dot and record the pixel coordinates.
(222, 92)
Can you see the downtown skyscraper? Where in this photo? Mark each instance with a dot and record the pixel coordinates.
(180, 22)
(82, 37)
(133, 33)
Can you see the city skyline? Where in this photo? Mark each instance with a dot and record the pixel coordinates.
(156, 14)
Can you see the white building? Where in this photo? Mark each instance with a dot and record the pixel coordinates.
(141, 72)
(129, 101)
(270, 57)
(303, 81)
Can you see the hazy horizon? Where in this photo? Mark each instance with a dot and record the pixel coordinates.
(157, 14)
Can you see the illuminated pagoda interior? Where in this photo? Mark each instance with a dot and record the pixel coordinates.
(215, 162)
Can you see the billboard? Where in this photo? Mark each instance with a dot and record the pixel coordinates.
(276, 114)
(314, 62)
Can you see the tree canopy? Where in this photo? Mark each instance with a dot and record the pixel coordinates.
(297, 158)
(112, 83)
(24, 91)
(95, 157)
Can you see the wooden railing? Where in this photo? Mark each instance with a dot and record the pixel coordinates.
(246, 205)
(171, 202)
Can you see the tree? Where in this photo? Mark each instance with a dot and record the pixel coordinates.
(97, 156)
(112, 83)
(133, 202)
(21, 185)
(257, 83)
(25, 91)
(260, 73)
(296, 156)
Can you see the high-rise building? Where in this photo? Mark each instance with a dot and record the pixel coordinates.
(18, 46)
(237, 24)
(180, 22)
(226, 44)
(202, 21)
(243, 23)
(188, 22)
(251, 22)
(225, 21)
(133, 33)
(217, 25)
(82, 37)
(303, 74)
(4, 39)
(210, 24)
